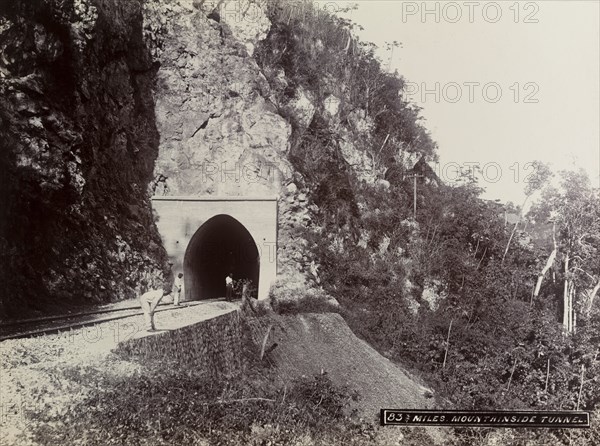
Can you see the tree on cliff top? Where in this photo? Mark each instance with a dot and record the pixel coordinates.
(574, 209)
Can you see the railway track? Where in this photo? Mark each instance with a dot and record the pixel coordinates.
(59, 323)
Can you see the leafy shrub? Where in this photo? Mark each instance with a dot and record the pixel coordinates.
(321, 398)
(309, 303)
(286, 299)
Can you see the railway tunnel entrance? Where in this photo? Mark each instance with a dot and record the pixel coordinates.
(207, 237)
(219, 247)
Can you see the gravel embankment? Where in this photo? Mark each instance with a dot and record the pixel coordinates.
(48, 375)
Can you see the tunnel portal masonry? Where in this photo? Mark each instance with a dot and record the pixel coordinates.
(207, 238)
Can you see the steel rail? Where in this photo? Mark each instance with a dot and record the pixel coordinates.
(133, 311)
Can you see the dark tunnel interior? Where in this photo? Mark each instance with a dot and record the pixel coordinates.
(220, 246)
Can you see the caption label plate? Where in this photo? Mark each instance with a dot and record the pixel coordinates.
(471, 418)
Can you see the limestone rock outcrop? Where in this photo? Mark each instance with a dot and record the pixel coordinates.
(218, 133)
(105, 103)
(79, 140)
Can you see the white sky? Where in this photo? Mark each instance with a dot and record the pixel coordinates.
(559, 55)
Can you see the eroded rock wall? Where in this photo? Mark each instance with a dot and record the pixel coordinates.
(79, 141)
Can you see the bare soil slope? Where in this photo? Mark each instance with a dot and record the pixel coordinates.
(308, 344)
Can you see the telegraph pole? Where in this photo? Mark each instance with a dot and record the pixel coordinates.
(414, 177)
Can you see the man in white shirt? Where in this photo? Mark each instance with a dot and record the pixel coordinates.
(177, 289)
(229, 287)
(149, 301)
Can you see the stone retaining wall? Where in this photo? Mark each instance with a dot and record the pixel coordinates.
(214, 346)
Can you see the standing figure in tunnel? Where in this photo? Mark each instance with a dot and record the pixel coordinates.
(229, 287)
(149, 301)
(177, 287)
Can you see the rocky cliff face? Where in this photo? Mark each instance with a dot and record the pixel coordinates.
(218, 134)
(105, 103)
(79, 142)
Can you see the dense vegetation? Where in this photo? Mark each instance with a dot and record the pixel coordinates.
(502, 331)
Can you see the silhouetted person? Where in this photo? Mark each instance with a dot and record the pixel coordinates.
(177, 289)
(229, 287)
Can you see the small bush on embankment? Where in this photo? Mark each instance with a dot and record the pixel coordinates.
(286, 300)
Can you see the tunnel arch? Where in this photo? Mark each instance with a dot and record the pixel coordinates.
(220, 246)
(177, 219)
